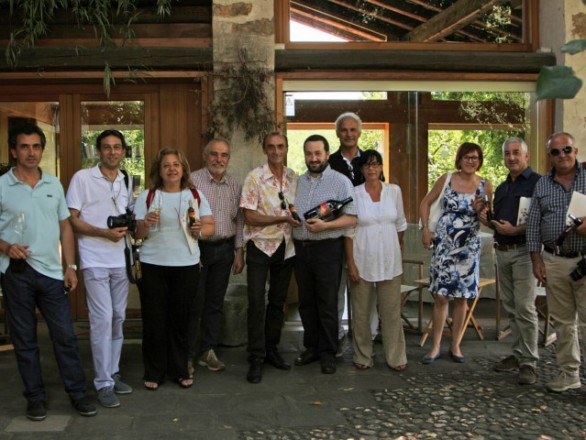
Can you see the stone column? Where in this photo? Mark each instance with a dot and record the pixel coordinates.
(245, 24)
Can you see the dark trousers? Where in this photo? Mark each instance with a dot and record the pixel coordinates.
(207, 310)
(22, 293)
(166, 297)
(265, 321)
(317, 270)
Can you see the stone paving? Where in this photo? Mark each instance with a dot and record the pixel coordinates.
(441, 401)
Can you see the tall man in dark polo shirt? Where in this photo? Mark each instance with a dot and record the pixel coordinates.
(345, 161)
(516, 280)
(566, 297)
(318, 254)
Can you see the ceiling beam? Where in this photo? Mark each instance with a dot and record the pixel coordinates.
(450, 20)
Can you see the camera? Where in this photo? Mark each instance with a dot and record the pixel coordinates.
(580, 270)
(125, 220)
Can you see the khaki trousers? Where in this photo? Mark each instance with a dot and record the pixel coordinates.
(388, 297)
(566, 300)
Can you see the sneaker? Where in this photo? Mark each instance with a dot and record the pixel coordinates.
(527, 375)
(84, 407)
(510, 363)
(119, 386)
(564, 382)
(210, 360)
(36, 410)
(108, 398)
(340, 348)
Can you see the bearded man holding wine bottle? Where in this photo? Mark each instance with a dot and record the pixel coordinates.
(325, 196)
(266, 199)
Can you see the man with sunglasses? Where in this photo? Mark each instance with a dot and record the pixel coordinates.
(516, 281)
(221, 253)
(266, 194)
(95, 194)
(555, 255)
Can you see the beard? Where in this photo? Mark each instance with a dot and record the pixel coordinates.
(317, 169)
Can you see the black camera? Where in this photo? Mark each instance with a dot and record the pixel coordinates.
(580, 270)
(125, 220)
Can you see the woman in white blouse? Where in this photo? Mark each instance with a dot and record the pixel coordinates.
(373, 250)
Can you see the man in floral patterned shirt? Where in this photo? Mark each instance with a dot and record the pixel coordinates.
(266, 195)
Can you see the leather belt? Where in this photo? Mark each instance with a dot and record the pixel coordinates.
(308, 243)
(563, 254)
(229, 240)
(509, 247)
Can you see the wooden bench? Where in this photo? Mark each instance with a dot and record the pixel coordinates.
(469, 320)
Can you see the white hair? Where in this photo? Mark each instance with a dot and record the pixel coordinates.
(516, 140)
(348, 115)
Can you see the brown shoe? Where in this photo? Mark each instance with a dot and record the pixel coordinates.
(527, 375)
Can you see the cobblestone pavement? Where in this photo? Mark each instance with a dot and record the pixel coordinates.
(441, 401)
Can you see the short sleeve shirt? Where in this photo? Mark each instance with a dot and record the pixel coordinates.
(44, 208)
(260, 193)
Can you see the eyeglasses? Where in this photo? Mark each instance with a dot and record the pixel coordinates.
(556, 151)
(116, 147)
(372, 165)
(471, 158)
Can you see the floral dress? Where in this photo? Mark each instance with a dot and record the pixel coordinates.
(455, 262)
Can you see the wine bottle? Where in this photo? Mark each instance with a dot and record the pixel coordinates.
(293, 212)
(191, 216)
(328, 210)
(488, 209)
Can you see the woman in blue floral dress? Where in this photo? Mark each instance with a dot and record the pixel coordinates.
(455, 262)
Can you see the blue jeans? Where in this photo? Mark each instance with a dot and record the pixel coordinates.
(266, 313)
(22, 293)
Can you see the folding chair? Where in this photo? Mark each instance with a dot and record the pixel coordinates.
(4, 336)
(407, 290)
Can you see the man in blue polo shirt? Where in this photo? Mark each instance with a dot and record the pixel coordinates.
(514, 267)
(32, 273)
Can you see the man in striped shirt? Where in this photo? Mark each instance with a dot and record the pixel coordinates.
(221, 254)
(563, 254)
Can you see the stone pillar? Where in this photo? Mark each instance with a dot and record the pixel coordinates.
(245, 24)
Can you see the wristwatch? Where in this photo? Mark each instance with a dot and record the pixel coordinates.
(72, 266)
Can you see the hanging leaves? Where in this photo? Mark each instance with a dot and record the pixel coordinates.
(557, 82)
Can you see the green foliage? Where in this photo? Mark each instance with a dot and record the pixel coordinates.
(575, 46)
(109, 20)
(557, 82)
(242, 100)
(443, 145)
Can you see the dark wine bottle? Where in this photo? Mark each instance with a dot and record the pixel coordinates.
(293, 212)
(191, 216)
(327, 211)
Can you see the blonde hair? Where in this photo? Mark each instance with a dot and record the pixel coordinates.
(157, 180)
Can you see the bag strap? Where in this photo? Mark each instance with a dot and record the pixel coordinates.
(151, 195)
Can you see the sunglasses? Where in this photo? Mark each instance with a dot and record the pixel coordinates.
(556, 151)
(284, 201)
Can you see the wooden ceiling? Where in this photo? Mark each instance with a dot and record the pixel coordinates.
(471, 21)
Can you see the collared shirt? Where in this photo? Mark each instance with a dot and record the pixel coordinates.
(96, 198)
(350, 169)
(43, 207)
(313, 191)
(506, 202)
(224, 199)
(548, 213)
(260, 193)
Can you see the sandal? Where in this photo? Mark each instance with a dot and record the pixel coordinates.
(399, 367)
(185, 383)
(151, 386)
(361, 366)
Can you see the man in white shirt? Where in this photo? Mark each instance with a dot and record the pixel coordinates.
(94, 195)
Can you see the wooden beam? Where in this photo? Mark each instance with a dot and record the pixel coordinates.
(286, 60)
(451, 19)
(372, 14)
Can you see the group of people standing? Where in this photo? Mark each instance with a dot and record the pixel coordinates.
(544, 246)
(198, 228)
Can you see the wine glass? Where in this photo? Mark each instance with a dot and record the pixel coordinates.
(156, 205)
(18, 224)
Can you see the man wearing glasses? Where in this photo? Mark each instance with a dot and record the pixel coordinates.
(560, 264)
(266, 195)
(94, 195)
(513, 262)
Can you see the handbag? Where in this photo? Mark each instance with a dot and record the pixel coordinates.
(435, 210)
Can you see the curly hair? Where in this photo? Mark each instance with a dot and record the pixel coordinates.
(155, 176)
